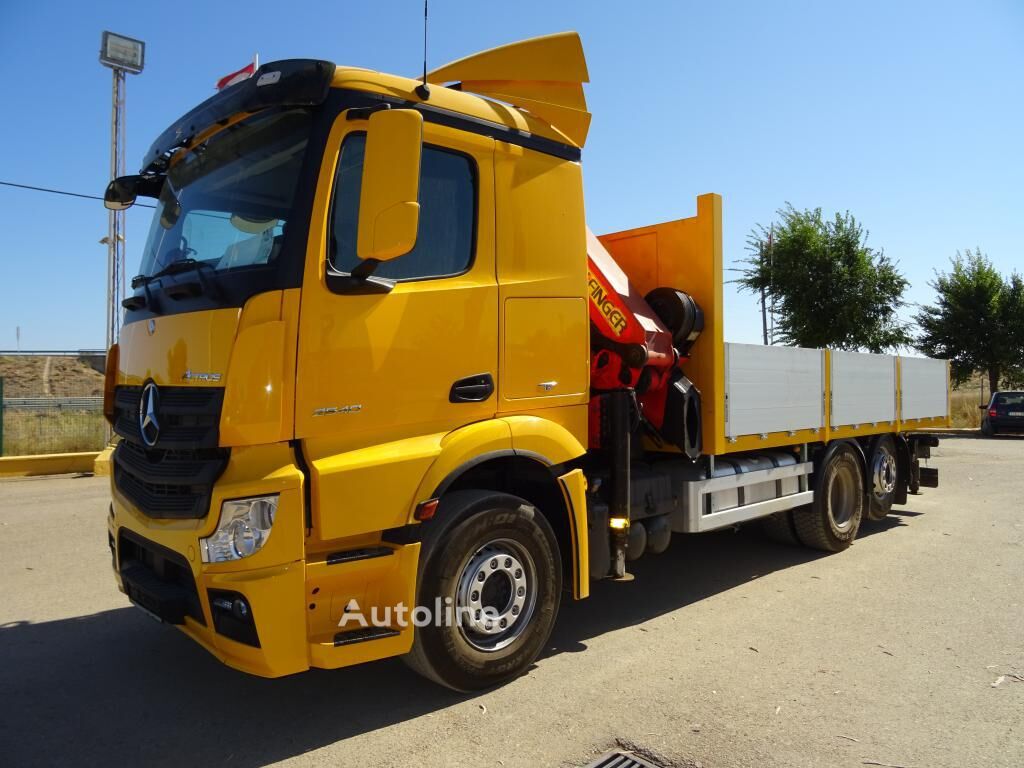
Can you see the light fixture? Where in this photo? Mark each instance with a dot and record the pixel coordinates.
(242, 530)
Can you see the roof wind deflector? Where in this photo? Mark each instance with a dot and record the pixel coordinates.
(542, 75)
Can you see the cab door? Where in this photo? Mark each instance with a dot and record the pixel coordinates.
(378, 367)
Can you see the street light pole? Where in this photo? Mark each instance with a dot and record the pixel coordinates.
(123, 55)
(115, 219)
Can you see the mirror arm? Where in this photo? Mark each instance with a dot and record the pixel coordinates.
(365, 268)
(363, 113)
(359, 282)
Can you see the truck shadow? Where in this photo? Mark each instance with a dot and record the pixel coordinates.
(114, 686)
(697, 567)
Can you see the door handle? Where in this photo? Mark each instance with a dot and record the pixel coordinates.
(472, 389)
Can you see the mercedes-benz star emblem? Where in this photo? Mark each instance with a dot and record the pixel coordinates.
(149, 404)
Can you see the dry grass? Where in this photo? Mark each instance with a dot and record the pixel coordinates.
(29, 433)
(966, 399)
(964, 406)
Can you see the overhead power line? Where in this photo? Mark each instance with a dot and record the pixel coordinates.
(62, 192)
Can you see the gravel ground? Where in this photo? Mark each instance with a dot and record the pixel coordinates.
(725, 651)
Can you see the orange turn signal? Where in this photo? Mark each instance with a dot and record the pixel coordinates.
(426, 509)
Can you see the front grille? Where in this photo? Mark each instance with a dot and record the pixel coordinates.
(174, 478)
(189, 416)
(158, 579)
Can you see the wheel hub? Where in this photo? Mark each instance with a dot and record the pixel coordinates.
(884, 474)
(496, 594)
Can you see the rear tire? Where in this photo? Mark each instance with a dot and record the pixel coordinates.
(831, 522)
(509, 543)
(882, 478)
(779, 528)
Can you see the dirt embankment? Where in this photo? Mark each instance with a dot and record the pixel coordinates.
(39, 376)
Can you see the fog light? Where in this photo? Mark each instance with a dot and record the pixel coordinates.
(240, 608)
(232, 616)
(243, 529)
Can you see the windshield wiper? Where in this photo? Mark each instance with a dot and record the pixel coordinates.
(175, 291)
(181, 265)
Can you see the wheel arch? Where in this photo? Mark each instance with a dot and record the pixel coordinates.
(556, 491)
(828, 448)
(526, 456)
(561, 499)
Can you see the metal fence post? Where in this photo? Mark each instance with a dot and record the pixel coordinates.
(1, 415)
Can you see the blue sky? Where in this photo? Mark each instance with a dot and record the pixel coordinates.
(908, 114)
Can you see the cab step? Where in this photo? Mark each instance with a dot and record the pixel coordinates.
(363, 634)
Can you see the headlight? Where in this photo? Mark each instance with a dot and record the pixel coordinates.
(243, 529)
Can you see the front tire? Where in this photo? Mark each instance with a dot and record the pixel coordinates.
(498, 569)
(833, 518)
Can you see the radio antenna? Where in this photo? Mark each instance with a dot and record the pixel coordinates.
(423, 90)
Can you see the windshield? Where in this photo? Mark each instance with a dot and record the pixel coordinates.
(226, 203)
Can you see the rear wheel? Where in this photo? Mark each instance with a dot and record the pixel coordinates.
(779, 527)
(831, 522)
(882, 478)
(499, 572)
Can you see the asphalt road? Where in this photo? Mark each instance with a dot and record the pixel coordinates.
(727, 651)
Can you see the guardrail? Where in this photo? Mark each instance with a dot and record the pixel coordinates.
(91, 403)
(52, 352)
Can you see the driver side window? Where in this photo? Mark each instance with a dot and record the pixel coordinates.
(447, 224)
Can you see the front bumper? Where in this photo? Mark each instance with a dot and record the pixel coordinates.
(158, 565)
(292, 601)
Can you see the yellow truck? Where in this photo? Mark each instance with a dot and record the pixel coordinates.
(380, 392)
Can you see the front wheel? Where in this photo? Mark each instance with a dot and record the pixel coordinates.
(497, 578)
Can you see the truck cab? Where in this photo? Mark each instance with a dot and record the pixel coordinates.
(295, 376)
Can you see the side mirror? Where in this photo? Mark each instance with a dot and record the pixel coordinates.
(122, 191)
(389, 209)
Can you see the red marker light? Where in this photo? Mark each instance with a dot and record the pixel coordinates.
(426, 509)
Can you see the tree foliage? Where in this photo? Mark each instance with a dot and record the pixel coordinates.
(827, 287)
(977, 322)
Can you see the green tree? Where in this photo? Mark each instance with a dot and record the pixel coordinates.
(977, 322)
(826, 286)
